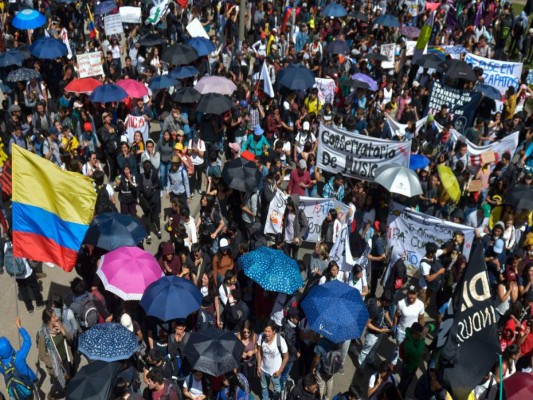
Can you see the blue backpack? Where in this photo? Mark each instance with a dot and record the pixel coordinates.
(18, 386)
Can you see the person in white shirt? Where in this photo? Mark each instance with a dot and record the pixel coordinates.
(272, 357)
(193, 387)
(357, 280)
(428, 272)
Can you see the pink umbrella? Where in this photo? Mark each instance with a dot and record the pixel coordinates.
(133, 88)
(127, 272)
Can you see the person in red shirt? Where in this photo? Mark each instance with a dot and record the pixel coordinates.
(299, 179)
(162, 388)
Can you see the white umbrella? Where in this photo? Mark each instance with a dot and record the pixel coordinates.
(398, 179)
(215, 84)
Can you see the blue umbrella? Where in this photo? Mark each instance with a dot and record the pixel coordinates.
(489, 91)
(162, 82)
(171, 298)
(105, 7)
(296, 77)
(108, 93)
(182, 72)
(109, 231)
(388, 20)
(336, 311)
(48, 48)
(28, 19)
(272, 269)
(108, 342)
(11, 57)
(334, 10)
(418, 161)
(202, 45)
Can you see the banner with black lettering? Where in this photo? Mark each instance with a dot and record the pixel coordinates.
(462, 104)
(356, 155)
(468, 336)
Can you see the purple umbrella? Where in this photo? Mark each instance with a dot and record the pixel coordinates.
(410, 32)
(366, 79)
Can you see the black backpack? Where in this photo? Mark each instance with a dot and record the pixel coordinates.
(436, 284)
(103, 202)
(147, 188)
(332, 363)
(86, 312)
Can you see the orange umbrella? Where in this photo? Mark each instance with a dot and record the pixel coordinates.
(82, 85)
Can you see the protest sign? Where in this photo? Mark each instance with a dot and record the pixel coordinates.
(89, 64)
(342, 254)
(134, 124)
(497, 73)
(64, 37)
(410, 230)
(113, 24)
(462, 104)
(356, 155)
(326, 89)
(398, 129)
(315, 209)
(388, 51)
(130, 15)
(196, 29)
(410, 47)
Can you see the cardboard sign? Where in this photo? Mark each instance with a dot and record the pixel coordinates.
(196, 29)
(130, 15)
(475, 185)
(488, 157)
(113, 24)
(89, 64)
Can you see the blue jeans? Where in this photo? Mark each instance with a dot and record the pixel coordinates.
(163, 174)
(265, 378)
(285, 374)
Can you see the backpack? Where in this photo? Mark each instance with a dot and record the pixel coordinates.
(86, 312)
(15, 266)
(291, 302)
(18, 386)
(205, 320)
(302, 217)
(436, 284)
(332, 363)
(103, 202)
(506, 27)
(278, 342)
(172, 385)
(147, 188)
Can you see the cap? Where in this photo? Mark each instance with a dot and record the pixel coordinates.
(531, 30)
(258, 131)
(77, 104)
(126, 322)
(486, 210)
(180, 132)
(235, 147)
(431, 118)
(498, 246)
(243, 103)
(306, 126)
(255, 98)
(178, 146)
(415, 84)
(302, 164)
(304, 5)
(411, 289)
(104, 115)
(88, 126)
(175, 159)
(263, 35)
(14, 108)
(223, 244)
(274, 30)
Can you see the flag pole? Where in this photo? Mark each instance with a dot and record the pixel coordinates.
(501, 376)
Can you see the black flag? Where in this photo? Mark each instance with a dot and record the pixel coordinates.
(468, 334)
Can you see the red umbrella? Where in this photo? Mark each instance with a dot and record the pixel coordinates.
(82, 85)
(133, 88)
(519, 386)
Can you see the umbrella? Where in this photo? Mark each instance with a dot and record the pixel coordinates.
(82, 85)
(521, 197)
(202, 45)
(213, 351)
(182, 72)
(338, 47)
(489, 91)
(430, 61)
(296, 77)
(28, 19)
(186, 95)
(398, 179)
(171, 298)
(336, 311)
(22, 74)
(11, 57)
(151, 39)
(387, 20)
(377, 57)
(411, 32)
(215, 84)
(418, 161)
(214, 103)
(108, 342)
(272, 269)
(334, 10)
(133, 88)
(105, 7)
(127, 272)
(366, 79)
(449, 182)
(48, 48)
(179, 54)
(519, 386)
(94, 381)
(162, 82)
(459, 69)
(109, 231)
(241, 175)
(355, 84)
(358, 15)
(108, 93)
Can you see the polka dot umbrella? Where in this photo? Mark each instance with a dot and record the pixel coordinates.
(108, 342)
(272, 269)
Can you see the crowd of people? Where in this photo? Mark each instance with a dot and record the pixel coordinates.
(183, 157)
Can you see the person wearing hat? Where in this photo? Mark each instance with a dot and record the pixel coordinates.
(260, 47)
(256, 143)
(299, 179)
(222, 262)
(88, 139)
(178, 181)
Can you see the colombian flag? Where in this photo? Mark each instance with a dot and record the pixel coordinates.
(92, 28)
(52, 210)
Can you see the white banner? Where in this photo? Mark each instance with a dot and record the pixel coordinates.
(196, 29)
(326, 89)
(388, 51)
(134, 124)
(113, 24)
(89, 64)
(315, 209)
(130, 15)
(497, 73)
(356, 155)
(64, 38)
(398, 129)
(410, 47)
(410, 230)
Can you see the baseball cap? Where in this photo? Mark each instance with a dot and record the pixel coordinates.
(88, 126)
(235, 147)
(431, 118)
(263, 35)
(411, 289)
(178, 146)
(77, 104)
(180, 132)
(14, 108)
(258, 131)
(126, 322)
(498, 246)
(223, 244)
(486, 210)
(302, 164)
(306, 126)
(104, 115)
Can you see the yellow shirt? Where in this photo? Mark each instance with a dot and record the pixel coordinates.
(312, 106)
(70, 145)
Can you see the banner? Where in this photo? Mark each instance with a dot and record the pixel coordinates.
(267, 82)
(113, 24)
(410, 47)
(356, 155)
(196, 29)
(326, 89)
(462, 104)
(315, 209)
(497, 73)
(134, 124)
(89, 64)
(130, 15)
(64, 38)
(388, 51)
(398, 129)
(410, 230)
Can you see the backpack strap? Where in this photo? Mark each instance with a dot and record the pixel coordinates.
(278, 342)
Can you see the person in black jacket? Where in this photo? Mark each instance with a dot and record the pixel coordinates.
(149, 199)
(289, 329)
(306, 389)
(110, 139)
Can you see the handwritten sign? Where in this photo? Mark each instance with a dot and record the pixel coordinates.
(89, 64)
(130, 15)
(113, 24)
(388, 51)
(326, 89)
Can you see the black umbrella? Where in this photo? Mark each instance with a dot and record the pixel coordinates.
(11, 57)
(186, 95)
(151, 39)
(22, 74)
(356, 84)
(358, 15)
(521, 197)
(459, 69)
(338, 47)
(109, 231)
(94, 381)
(214, 103)
(377, 57)
(430, 61)
(213, 351)
(179, 54)
(296, 77)
(241, 175)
